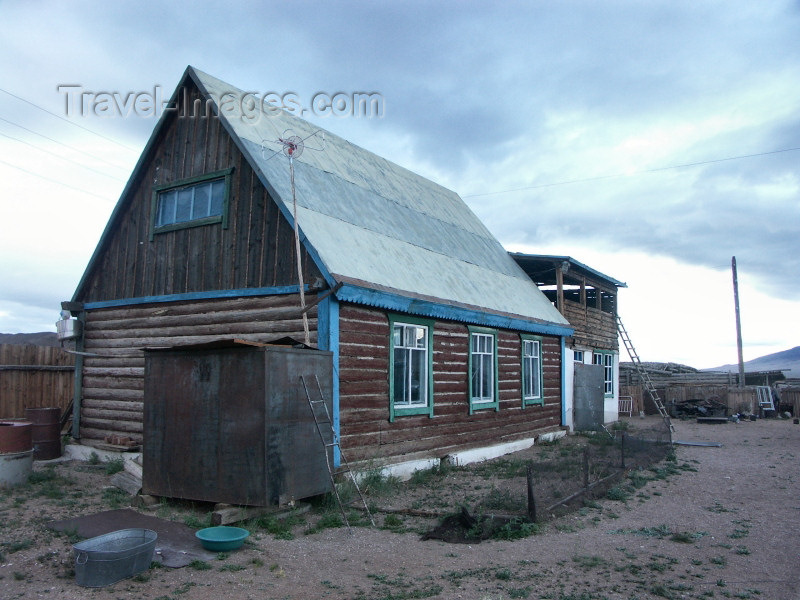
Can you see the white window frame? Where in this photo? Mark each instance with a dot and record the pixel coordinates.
(606, 360)
(532, 376)
(415, 347)
(483, 366)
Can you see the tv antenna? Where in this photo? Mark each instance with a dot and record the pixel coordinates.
(292, 147)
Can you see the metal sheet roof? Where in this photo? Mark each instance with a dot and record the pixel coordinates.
(371, 220)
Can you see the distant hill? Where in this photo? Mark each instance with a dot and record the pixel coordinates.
(779, 361)
(43, 338)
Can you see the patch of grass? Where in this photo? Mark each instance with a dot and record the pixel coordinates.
(375, 483)
(720, 561)
(195, 522)
(280, 529)
(742, 550)
(115, 497)
(516, 529)
(232, 568)
(504, 500)
(393, 523)
(502, 468)
(329, 520)
(687, 537)
(115, 465)
(12, 547)
(200, 565)
(618, 493)
(589, 562)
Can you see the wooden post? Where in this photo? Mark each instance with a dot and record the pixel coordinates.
(586, 467)
(531, 498)
(738, 322)
(560, 289)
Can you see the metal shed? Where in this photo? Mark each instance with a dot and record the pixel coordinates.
(230, 422)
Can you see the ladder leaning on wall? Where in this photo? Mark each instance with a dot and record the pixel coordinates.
(647, 383)
(330, 441)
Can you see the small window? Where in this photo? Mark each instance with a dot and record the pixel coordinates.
(577, 356)
(410, 367)
(483, 369)
(606, 359)
(532, 371)
(191, 202)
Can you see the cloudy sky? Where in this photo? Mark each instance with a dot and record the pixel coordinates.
(650, 140)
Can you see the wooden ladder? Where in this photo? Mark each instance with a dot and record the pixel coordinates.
(764, 394)
(330, 442)
(643, 374)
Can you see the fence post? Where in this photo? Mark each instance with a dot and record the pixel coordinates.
(586, 468)
(531, 498)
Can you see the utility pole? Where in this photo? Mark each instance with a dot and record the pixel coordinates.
(738, 322)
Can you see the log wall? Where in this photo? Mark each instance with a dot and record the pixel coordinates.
(34, 377)
(594, 328)
(367, 434)
(113, 381)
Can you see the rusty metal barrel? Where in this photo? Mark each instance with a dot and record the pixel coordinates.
(16, 452)
(46, 432)
(15, 436)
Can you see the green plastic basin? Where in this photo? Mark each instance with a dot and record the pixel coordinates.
(222, 539)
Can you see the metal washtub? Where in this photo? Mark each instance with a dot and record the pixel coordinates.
(106, 559)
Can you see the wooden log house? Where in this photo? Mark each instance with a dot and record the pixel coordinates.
(587, 298)
(441, 343)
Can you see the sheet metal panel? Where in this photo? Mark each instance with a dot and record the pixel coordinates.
(232, 425)
(372, 220)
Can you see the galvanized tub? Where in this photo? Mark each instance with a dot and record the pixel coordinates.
(106, 559)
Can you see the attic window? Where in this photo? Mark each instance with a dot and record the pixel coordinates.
(191, 202)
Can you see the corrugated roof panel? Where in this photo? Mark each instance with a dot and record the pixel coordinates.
(372, 220)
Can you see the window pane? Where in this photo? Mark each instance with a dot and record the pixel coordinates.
(183, 211)
(400, 376)
(166, 208)
(417, 379)
(217, 197)
(202, 201)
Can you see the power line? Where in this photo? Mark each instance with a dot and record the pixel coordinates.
(653, 170)
(60, 157)
(72, 187)
(62, 144)
(67, 120)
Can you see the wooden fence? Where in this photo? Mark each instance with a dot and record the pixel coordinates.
(34, 377)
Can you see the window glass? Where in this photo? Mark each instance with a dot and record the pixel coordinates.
(482, 363)
(410, 348)
(531, 371)
(191, 203)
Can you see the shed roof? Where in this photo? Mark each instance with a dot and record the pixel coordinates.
(540, 268)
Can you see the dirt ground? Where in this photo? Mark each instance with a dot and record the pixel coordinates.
(722, 524)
